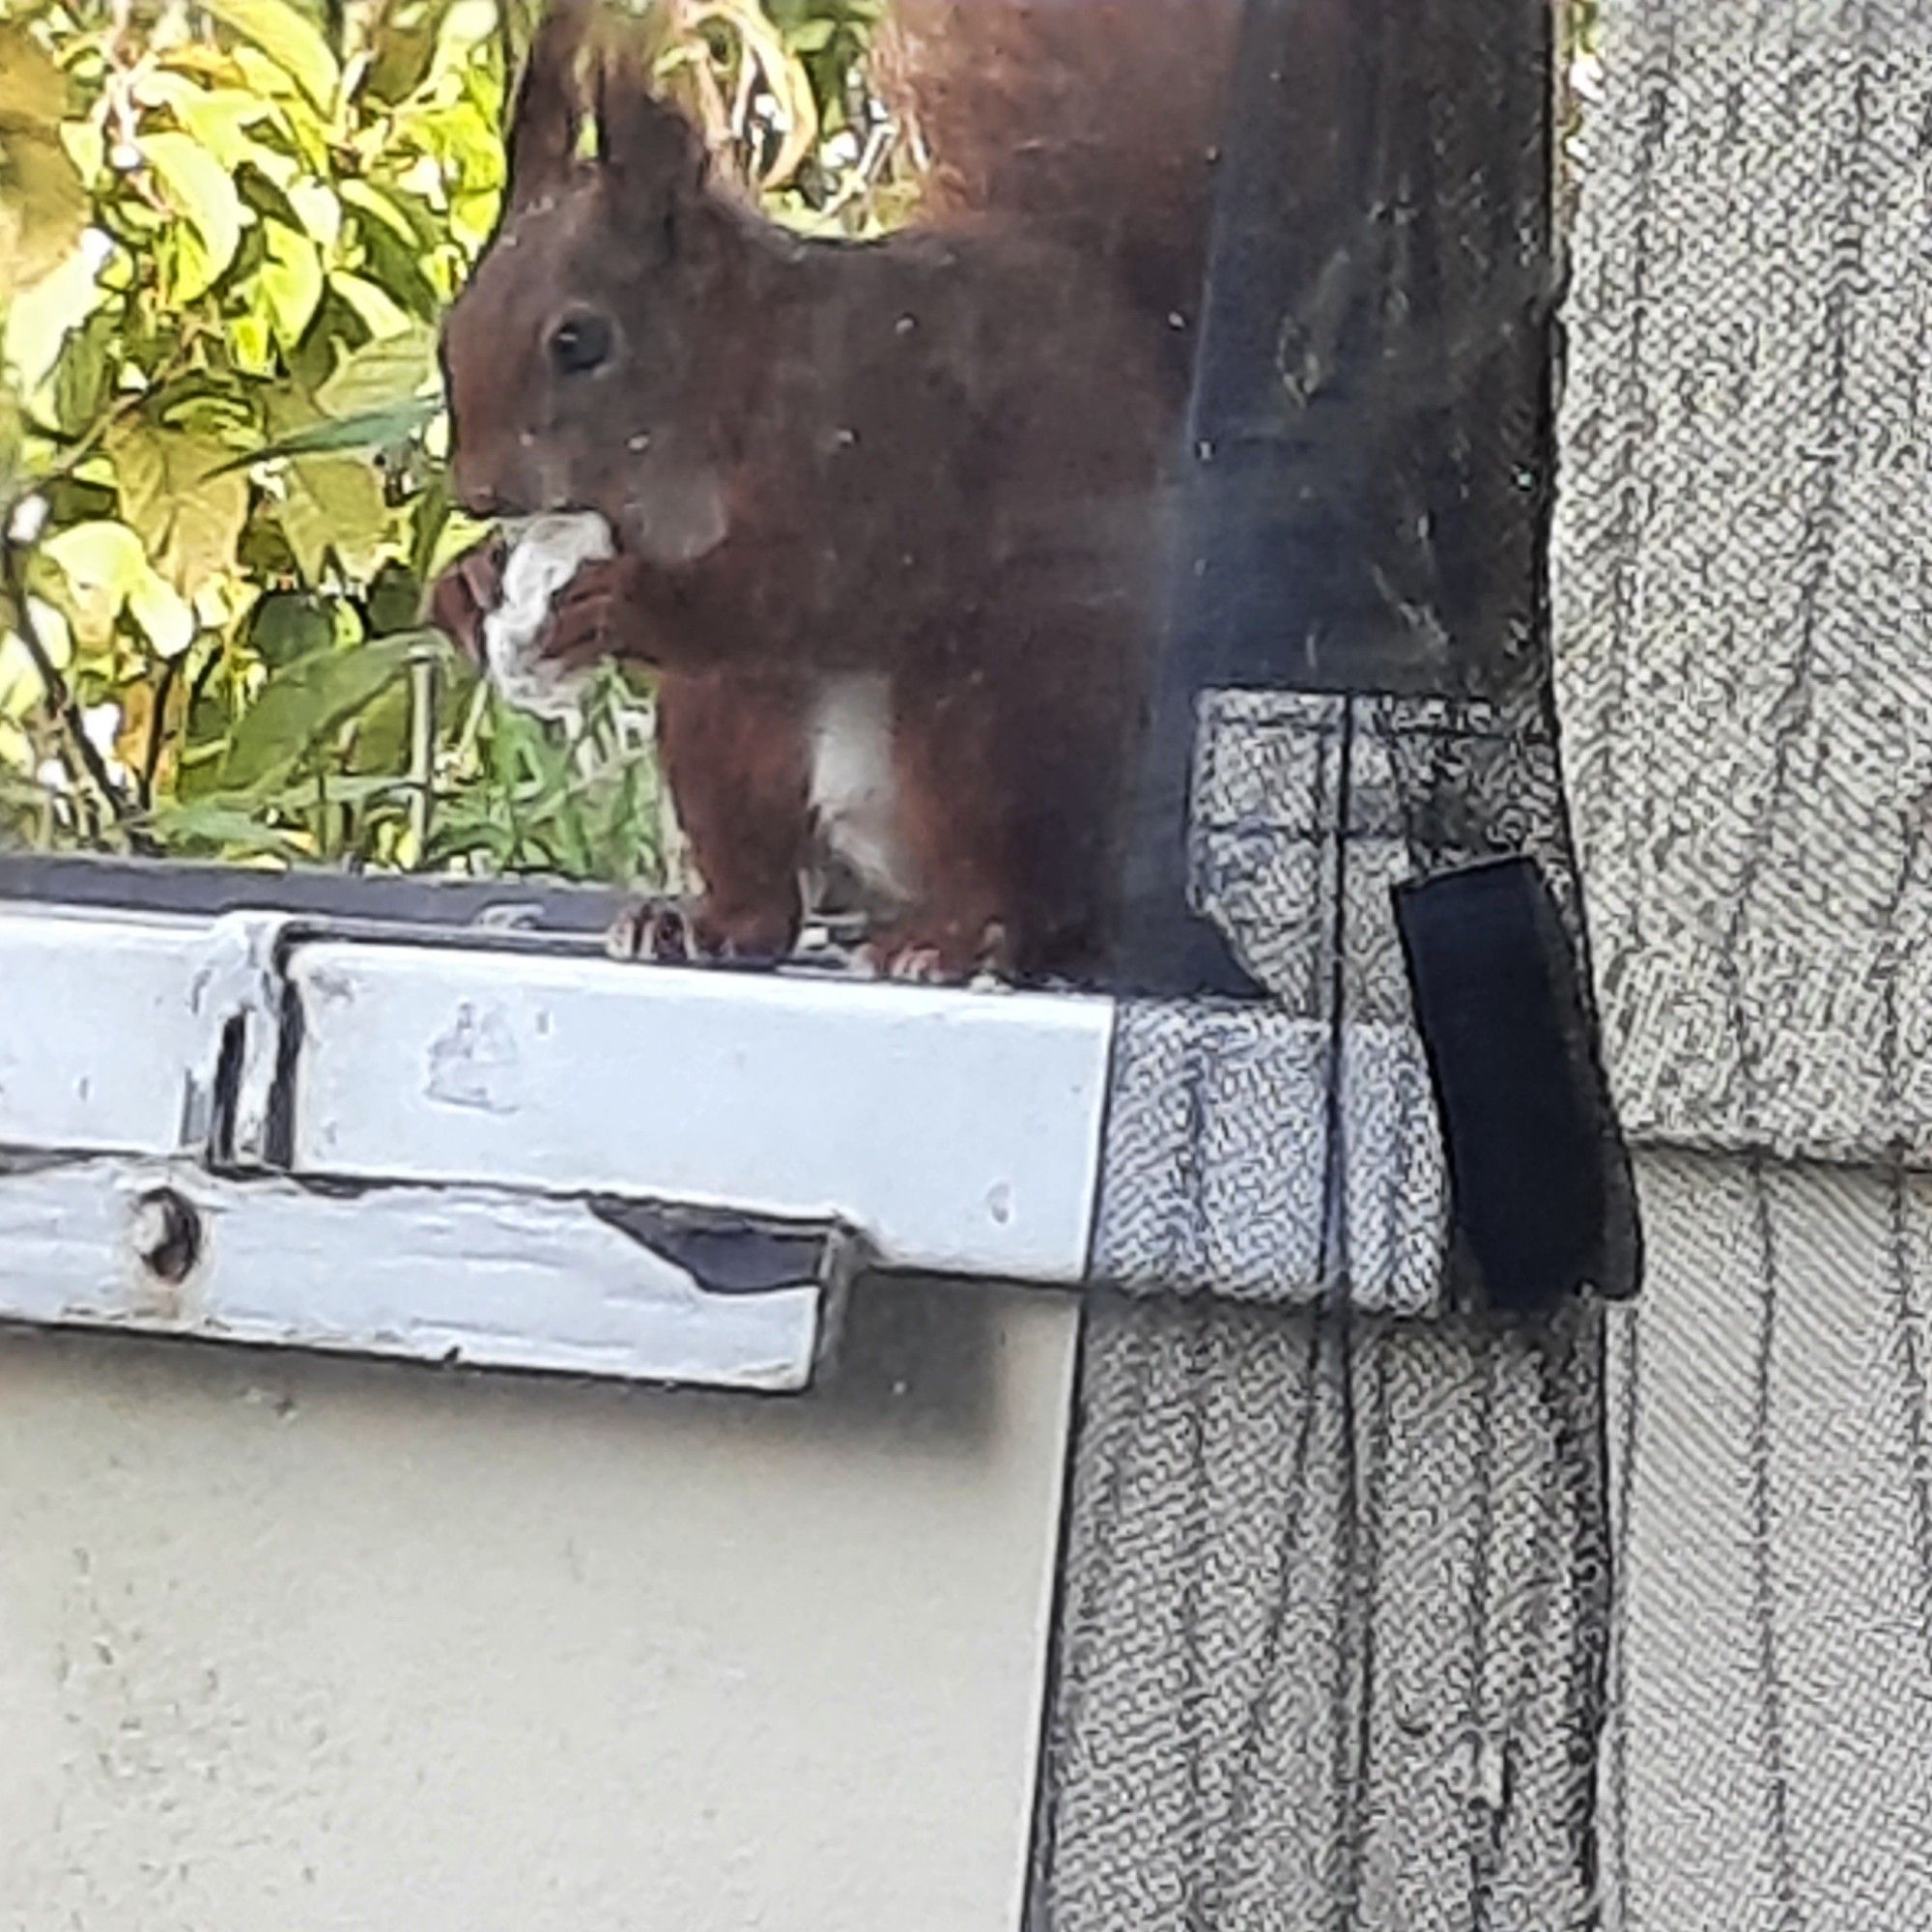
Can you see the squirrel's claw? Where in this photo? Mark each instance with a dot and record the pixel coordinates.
(466, 592)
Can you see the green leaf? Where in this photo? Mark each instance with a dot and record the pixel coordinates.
(382, 745)
(411, 273)
(320, 208)
(204, 822)
(107, 571)
(459, 532)
(382, 375)
(287, 626)
(180, 495)
(219, 118)
(251, 342)
(163, 612)
(40, 319)
(466, 28)
(201, 192)
(335, 503)
(290, 278)
(400, 55)
(86, 144)
(289, 40)
(394, 600)
(371, 201)
(20, 686)
(374, 308)
(85, 371)
(300, 705)
(472, 217)
(42, 206)
(12, 441)
(359, 789)
(371, 432)
(102, 560)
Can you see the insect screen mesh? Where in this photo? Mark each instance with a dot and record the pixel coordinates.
(1340, 1644)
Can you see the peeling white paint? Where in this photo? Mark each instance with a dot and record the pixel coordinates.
(474, 1063)
(98, 1028)
(236, 983)
(430, 1274)
(960, 1131)
(367, 1650)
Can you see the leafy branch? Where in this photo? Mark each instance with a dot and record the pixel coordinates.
(227, 235)
(58, 698)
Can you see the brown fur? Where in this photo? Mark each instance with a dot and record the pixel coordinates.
(1096, 121)
(937, 457)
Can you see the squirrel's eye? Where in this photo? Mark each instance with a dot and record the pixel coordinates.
(579, 344)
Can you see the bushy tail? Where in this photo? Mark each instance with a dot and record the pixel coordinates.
(1095, 120)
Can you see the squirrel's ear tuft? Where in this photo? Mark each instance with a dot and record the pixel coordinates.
(644, 143)
(547, 119)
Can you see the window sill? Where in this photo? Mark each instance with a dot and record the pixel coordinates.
(460, 1145)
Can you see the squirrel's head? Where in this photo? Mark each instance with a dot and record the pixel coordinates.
(570, 357)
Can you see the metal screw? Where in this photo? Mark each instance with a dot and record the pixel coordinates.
(167, 1234)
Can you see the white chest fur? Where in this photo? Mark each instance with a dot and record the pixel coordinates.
(854, 791)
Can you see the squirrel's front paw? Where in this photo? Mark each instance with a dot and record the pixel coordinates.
(466, 594)
(948, 959)
(655, 929)
(588, 617)
(668, 932)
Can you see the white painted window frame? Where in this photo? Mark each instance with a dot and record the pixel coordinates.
(504, 1149)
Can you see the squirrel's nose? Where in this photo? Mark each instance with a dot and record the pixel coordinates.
(478, 497)
(477, 491)
(480, 500)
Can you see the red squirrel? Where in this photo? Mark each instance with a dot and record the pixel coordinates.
(887, 514)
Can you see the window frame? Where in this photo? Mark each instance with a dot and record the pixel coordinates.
(168, 1051)
(910, 1129)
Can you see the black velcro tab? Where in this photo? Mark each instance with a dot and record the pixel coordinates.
(1543, 1197)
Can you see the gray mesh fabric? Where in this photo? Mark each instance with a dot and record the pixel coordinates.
(1334, 1610)
(1743, 571)
(1742, 603)
(1770, 1757)
(1336, 1595)
(1230, 1133)
(1336, 1592)
(1335, 1598)
(1216, 1179)
(1290, 1152)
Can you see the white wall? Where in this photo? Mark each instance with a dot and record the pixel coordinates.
(326, 1646)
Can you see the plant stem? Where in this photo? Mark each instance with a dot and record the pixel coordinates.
(422, 754)
(81, 447)
(60, 700)
(158, 727)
